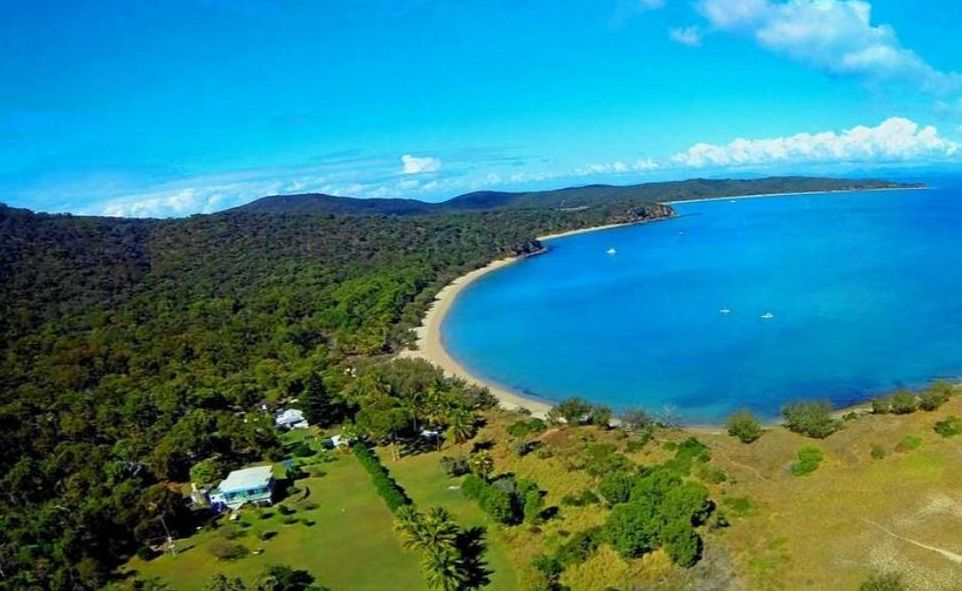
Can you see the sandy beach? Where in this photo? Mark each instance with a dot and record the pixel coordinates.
(429, 343)
(431, 348)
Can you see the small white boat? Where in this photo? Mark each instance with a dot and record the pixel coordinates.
(611, 251)
(725, 311)
(767, 316)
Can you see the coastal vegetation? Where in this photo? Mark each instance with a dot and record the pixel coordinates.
(139, 355)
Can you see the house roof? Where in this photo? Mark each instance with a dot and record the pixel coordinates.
(291, 415)
(246, 479)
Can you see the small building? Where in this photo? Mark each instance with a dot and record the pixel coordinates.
(291, 418)
(250, 485)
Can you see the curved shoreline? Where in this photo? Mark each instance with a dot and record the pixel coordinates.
(431, 348)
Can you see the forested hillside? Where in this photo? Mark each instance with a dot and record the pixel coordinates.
(568, 198)
(131, 350)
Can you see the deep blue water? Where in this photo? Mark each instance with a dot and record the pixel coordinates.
(865, 290)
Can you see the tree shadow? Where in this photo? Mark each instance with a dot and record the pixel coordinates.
(472, 545)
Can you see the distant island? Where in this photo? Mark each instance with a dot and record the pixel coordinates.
(570, 198)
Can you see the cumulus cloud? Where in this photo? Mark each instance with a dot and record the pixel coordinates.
(690, 36)
(833, 35)
(616, 167)
(895, 139)
(415, 165)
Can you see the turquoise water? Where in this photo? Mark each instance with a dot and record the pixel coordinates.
(864, 289)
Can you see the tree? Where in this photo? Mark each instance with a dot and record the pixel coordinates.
(317, 404)
(481, 463)
(904, 402)
(381, 420)
(207, 471)
(810, 418)
(634, 419)
(442, 569)
(934, 397)
(616, 487)
(744, 426)
(460, 423)
(284, 578)
(572, 410)
(601, 416)
(221, 582)
(682, 543)
(632, 529)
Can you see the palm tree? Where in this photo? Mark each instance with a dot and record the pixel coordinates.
(481, 463)
(439, 530)
(460, 424)
(409, 524)
(442, 569)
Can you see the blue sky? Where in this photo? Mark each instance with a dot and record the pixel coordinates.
(171, 108)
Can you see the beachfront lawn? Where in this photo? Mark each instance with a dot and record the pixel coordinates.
(343, 536)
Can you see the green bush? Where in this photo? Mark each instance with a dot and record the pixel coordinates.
(949, 427)
(572, 410)
(744, 426)
(807, 460)
(687, 453)
(523, 429)
(909, 442)
(226, 550)
(813, 419)
(579, 547)
(390, 491)
(904, 402)
(456, 466)
(472, 485)
(533, 505)
(879, 452)
(738, 506)
(934, 397)
(616, 487)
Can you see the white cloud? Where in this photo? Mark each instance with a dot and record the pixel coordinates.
(895, 139)
(415, 165)
(616, 167)
(690, 36)
(834, 35)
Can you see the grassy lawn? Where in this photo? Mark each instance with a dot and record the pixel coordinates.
(428, 485)
(350, 545)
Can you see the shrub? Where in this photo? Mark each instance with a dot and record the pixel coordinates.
(522, 429)
(616, 487)
(226, 550)
(807, 459)
(208, 471)
(533, 505)
(883, 582)
(638, 443)
(572, 410)
(933, 398)
(681, 542)
(144, 553)
(810, 418)
(523, 448)
(881, 406)
(879, 452)
(579, 547)
(302, 449)
(904, 402)
(601, 415)
(949, 427)
(711, 474)
(498, 504)
(599, 459)
(908, 443)
(687, 453)
(267, 535)
(635, 420)
(456, 466)
(390, 491)
(739, 506)
(472, 486)
(744, 426)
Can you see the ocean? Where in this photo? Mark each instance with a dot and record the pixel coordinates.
(746, 303)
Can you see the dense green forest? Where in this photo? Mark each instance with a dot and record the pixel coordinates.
(133, 349)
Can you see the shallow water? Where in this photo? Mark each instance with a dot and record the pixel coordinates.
(864, 292)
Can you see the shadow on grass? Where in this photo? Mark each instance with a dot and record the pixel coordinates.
(471, 544)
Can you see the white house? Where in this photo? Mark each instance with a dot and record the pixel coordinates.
(250, 485)
(291, 418)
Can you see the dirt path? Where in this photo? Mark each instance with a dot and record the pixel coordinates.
(950, 555)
